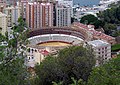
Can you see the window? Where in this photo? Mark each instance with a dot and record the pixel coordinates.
(32, 57)
(105, 51)
(102, 55)
(35, 50)
(105, 47)
(105, 54)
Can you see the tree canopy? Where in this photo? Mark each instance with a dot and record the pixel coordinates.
(12, 54)
(111, 17)
(91, 19)
(88, 19)
(107, 74)
(108, 19)
(70, 62)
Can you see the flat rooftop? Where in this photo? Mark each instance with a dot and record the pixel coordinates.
(98, 43)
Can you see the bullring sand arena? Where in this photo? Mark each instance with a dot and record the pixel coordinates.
(54, 44)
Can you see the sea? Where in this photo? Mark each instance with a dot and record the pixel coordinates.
(86, 2)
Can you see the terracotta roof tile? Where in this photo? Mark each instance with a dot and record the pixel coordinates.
(44, 52)
(94, 32)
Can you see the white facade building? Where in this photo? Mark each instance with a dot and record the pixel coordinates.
(102, 51)
(3, 23)
(13, 13)
(35, 56)
(63, 16)
(67, 3)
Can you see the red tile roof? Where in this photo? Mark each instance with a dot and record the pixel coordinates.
(96, 34)
(44, 52)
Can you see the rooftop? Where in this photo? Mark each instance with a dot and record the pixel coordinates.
(44, 52)
(98, 43)
(96, 34)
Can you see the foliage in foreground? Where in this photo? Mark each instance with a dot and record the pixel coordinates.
(107, 74)
(115, 47)
(70, 62)
(74, 82)
(12, 55)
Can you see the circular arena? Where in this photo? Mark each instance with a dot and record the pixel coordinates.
(57, 36)
(47, 41)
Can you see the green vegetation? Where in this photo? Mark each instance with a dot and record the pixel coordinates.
(12, 68)
(107, 74)
(115, 47)
(108, 19)
(111, 17)
(71, 66)
(88, 19)
(74, 82)
(91, 19)
(70, 62)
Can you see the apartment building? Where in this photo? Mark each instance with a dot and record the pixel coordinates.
(22, 5)
(35, 56)
(39, 14)
(66, 3)
(3, 23)
(13, 13)
(102, 51)
(63, 16)
(2, 5)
